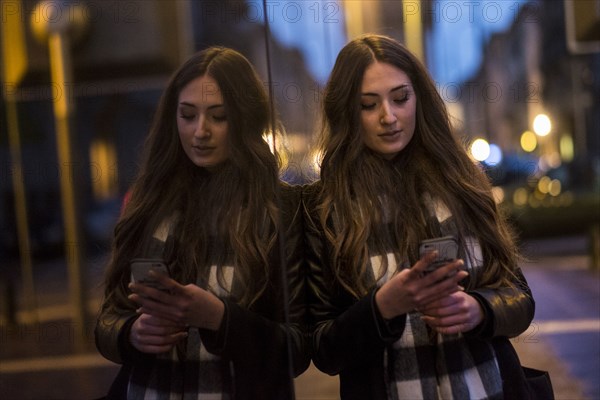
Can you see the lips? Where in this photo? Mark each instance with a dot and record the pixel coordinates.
(203, 149)
(391, 135)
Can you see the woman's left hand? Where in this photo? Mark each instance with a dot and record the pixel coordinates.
(187, 305)
(457, 312)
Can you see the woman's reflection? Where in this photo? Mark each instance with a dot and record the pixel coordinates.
(208, 203)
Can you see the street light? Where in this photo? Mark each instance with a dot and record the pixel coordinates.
(542, 125)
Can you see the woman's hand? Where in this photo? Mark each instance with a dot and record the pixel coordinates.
(410, 289)
(457, 312)
(150, 334)
(187, 305)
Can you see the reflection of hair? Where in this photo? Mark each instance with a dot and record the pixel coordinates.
(362, 191)
(231, 207)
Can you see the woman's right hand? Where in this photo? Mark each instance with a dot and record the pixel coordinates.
(410, 289)
(150, 334)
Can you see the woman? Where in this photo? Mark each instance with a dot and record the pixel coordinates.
(208, 203)
(393, 175)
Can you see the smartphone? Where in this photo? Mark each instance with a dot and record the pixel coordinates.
(140, 268)
(447, 249)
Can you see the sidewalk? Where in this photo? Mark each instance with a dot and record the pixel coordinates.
(564, 337)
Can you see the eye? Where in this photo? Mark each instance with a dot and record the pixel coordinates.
(368, 106)
(402, 99)
(187, 117)
(220, 117)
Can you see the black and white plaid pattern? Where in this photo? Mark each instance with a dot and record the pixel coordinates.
(195, 374)
(425, 365)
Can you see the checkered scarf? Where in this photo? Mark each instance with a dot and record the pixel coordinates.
(422, 365)
(189, 371)
(198, 376)
(426, 365)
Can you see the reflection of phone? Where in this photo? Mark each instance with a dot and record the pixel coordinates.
(140, 268)
(447, 249)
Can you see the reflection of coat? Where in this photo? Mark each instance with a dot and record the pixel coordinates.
(349, 335)
(251, 344)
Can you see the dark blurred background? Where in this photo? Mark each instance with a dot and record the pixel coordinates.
(81, 81)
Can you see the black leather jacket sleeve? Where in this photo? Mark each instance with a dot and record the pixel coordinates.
(508, 310)
(346, 331)
(112, 333)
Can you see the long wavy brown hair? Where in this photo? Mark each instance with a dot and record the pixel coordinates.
(231, 208)
(369, 205)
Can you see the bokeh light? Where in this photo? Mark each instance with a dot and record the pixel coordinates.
(480, 149)
(498, 194)
(495, 156)
(542, 125)
(520, 197)
(567, 149)
(528, 141)
(555, 187)
(544, 184)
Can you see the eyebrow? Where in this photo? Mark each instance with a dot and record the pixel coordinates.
(211, 107)
(404, 85)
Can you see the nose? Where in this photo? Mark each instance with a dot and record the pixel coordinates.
(387, 116)
(202, 130)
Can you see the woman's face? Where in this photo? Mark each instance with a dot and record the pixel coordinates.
(202, 122)
(388, 109)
